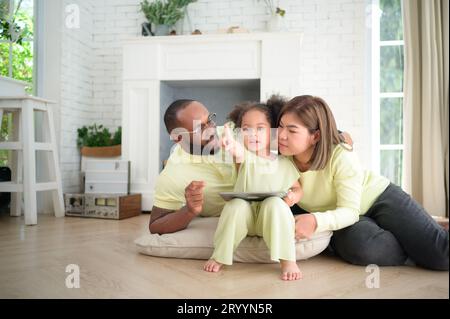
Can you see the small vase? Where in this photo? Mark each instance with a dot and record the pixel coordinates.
(275, 23)
(161, 29)
(184, 25)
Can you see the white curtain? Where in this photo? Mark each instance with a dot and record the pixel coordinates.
(426, 103)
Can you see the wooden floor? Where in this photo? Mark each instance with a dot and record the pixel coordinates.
(33, 261)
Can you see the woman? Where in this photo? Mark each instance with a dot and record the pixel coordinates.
(374, 221)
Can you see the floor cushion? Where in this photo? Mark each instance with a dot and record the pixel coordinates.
(196, 242)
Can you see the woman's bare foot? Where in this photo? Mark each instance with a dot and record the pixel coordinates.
(212, 266)
(290, 270)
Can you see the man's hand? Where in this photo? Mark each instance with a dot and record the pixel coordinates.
(305, 225)
(194, 197)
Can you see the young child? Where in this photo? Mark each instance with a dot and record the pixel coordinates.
(259, 170)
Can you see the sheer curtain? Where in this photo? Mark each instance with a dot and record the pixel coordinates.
(426, 103)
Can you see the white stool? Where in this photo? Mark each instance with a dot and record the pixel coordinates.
(23, 108)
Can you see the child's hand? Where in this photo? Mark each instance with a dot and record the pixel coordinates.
(231, 145)
(227, 138)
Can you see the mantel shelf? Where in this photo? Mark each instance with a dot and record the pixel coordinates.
(212, 37)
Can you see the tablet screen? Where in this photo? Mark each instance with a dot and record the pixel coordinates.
(252, 197)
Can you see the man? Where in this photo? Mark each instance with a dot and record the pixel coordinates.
(196, 171)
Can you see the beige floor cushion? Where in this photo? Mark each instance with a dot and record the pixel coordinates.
(196, 242)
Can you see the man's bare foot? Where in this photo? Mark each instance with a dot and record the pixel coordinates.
(290, 270)
(212, 266)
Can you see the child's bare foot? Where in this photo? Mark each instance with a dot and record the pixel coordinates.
(290, 270)
(212, 266)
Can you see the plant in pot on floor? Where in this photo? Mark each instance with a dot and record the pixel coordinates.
(162, 15)
(97, 141)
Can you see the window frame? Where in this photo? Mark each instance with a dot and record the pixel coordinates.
(377, 95)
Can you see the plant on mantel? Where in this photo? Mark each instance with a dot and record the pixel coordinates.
(274, 8)
(97, 141)
(276, 14)
(163, 14)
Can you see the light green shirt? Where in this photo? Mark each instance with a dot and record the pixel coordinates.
(258, 174)
(339, 193)
(182, 168)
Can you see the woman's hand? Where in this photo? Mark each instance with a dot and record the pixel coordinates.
(289, 199)
(305, 226)
(293, 196)
(347, 138)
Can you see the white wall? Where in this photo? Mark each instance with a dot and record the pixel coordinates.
(333, 60)
(77, 103)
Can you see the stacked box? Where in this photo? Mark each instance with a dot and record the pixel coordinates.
(107, 177)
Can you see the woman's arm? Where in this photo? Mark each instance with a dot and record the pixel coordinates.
(347, 178)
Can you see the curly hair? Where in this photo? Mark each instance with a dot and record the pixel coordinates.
(271, 110)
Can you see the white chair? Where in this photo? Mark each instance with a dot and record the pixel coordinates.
(24, 160)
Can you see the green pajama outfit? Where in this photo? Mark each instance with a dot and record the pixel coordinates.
(271, 219)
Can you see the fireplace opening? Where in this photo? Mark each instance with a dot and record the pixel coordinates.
(219, 96)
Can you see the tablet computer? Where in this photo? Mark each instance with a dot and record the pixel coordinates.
(251, 197)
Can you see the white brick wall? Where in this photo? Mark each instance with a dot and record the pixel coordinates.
(333, 57)
(77, 104)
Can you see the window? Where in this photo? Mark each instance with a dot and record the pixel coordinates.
(16, 39)
(16, 52)
(388, 99)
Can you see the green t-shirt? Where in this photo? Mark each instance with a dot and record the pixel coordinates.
(182, 168)
(258, 174)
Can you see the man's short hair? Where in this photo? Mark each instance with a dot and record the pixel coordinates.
(170, 117)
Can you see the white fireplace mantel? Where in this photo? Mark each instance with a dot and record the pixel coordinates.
(271, 58)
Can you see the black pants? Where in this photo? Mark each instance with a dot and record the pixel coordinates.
(395, 229)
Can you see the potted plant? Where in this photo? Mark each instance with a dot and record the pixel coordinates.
(97, 141)
(162, 14)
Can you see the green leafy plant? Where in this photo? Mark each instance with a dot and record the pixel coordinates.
(166, 12)
(117, 138)
(97, 136)
(13, 28)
